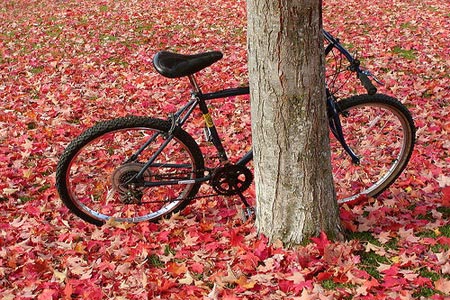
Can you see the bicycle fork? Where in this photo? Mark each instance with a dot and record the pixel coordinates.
(336, 127)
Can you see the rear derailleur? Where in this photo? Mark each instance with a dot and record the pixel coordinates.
(124, 183)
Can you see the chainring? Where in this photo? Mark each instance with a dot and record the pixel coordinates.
(231, 179)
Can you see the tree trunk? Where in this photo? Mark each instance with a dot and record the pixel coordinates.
(294, 184)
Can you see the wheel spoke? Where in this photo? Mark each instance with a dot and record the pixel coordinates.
(95, 167)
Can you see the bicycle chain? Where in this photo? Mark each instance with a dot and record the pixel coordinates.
(249, 179)
(188, 198)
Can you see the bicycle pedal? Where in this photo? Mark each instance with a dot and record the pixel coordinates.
(248, 213)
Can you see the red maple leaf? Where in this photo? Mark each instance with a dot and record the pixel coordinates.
(446, 196)
(63, 66)
(321, 241)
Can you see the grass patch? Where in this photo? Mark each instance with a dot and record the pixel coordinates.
(37, 70)
(329, 284)
(108, 38)
(44, 188)
(143, 27)
(428, 216)
(445, 211)
(54, 31)
(372, 259)
(118, 61)
(408, 25)
(154, 261)
(392, 244)
(405, 53)
(25, 199)
(370, 262)
(426, 234)
(445, 230)
(424, 292)
(169, 250)
(427, 94)
(364, 237)
(433, 276)
(103, 8)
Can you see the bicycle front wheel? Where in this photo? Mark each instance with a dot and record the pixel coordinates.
(94, 176)
(381, 132)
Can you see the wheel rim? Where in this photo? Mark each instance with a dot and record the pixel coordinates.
(92, 183)
(380, 135)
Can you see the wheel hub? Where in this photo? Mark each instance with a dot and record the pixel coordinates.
(130, 191)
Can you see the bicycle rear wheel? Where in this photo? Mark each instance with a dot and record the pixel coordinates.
(380, 130)
(93, 175)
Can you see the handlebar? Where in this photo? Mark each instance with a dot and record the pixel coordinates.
(367, 83)
(363, 76)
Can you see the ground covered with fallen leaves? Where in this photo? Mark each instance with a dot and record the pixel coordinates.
(66, 64)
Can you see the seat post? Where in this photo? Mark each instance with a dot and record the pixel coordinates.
(194, 84)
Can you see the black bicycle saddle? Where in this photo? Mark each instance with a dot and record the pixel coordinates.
(175, 65)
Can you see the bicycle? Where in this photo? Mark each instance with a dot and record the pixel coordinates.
(135, 169)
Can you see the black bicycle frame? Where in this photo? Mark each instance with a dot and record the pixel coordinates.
(199, 99)
(334, 43)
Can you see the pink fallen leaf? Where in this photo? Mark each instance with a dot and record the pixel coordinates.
(443, 285)
(446, 196)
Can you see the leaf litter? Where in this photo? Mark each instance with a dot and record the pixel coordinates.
(65, 64)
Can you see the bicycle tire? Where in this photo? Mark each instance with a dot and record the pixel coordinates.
(381, 131)
(91, 172)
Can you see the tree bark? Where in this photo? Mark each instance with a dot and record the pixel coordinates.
(294, 184)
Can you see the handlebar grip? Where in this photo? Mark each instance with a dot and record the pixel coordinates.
(367, 83)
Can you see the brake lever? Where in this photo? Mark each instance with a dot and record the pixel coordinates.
(371, 75)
